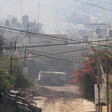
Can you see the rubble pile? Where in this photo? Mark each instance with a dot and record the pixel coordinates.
(45, 92)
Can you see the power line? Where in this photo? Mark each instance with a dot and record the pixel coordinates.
(94, 5)
(38, 55)
(55, 57)
(54, 37)
(34, 35)
(47, 55)
(66, 51)
(102, 45)
(37, 34)
(78, 42)
(61, 44)
(54, 53)
(108, 2)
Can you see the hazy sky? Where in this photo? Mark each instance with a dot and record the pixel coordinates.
(30, 7)
(52, 12)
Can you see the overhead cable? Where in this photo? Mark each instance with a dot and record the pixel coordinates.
(61, 44)
(94, 5)
(47, 57)
(69, 51)
(37, 34)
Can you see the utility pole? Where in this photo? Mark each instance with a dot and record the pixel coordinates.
(11, 58)
(111, 97)
(98, 83)
(15, 45)
(26, 42)
(107, 78)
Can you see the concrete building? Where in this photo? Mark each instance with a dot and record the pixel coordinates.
(14, 21)
(7, 23)
(25, 21)
(94, 26)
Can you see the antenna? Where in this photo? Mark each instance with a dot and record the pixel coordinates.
(38, 11)
(21, 3)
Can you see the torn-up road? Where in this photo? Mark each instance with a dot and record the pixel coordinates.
(58, 99)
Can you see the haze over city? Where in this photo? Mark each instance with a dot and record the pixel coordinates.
(55, 55)
(53, 13)
(30, 7)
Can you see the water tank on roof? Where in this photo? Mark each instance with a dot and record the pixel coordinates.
(110, 33)
(97, 30)
(7, 23)
(106, 37)
(85, 38)
(99, 36)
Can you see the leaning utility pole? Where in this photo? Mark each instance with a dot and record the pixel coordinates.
(107, 78)
(111, 99)
(11, 58)
(98, 83)
(26, 42)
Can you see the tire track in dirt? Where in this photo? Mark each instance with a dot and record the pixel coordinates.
(62, 105)
(59, 99)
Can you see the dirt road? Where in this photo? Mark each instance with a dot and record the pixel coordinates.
(59, 99)
(60, 105)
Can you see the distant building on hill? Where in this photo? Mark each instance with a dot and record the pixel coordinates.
(94, 26)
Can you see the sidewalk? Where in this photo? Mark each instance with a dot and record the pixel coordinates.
(88, 106)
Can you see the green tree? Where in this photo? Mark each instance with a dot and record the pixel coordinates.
(21, 80)
(85, 76)
(6, 81)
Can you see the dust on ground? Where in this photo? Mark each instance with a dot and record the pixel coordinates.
(58, 99)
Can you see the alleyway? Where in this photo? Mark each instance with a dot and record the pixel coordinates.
(62, 99)
(61, 105)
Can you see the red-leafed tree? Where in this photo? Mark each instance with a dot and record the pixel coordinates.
(85, 77)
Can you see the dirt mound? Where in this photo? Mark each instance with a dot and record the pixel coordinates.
(45, 92)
